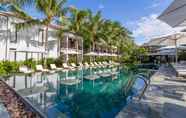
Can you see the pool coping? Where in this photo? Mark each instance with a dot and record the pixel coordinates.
(25, 101)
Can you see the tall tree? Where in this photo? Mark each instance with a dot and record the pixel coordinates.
(93, 28)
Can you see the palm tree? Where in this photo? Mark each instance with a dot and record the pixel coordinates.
(77, 20)
(52, 9)
(94, 28)
(20, 2)
(5, 1)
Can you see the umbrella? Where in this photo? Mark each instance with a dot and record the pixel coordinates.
(175, 14)
(92, 54)
(69, 51)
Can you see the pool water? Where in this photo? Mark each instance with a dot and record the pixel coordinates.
(103, 97)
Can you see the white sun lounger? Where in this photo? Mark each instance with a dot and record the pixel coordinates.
(65, 66)
(92, 65)
(74, 65)
(25, 70)
(86, 65)
(104, 63)
(41, 69)
(97, 65)
(101, 64)
(181, 73)
(80, 65)
(53, 67)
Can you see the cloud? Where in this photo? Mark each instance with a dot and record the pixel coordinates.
(155, 4)
(101, 6)
(149, 27)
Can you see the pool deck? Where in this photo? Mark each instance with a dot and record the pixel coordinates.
(13, 105)
(164, 98)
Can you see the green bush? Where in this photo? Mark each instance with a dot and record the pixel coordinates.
(2, 69)
(7, 67)
(72, 59)
(50, 61)
(86, 59)
(30, 63)
(59, 61)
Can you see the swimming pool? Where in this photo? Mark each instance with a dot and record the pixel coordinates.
(74, 94)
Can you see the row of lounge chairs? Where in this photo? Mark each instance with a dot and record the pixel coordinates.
(180, 70)
(103, 74)
(72, 66)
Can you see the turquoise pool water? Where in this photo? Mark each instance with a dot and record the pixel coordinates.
(69, 94)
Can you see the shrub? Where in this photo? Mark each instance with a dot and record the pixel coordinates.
(2, 69)
(50, 61)
(30, 63)
(59, 61)
(8, 67)
(72, 59)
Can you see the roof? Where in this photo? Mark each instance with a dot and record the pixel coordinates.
(11, 14)
(168, 40)
(175, 14)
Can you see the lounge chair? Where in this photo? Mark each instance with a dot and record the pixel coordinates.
(25, 70)
(105, 63)
(80, 65)
(40, 68)
(86, 65)
(108, 64)
(92, 65)
(96, 64)
(53, 67)
(65, 66)
(115, 63)
(74, 65)
(102, 65)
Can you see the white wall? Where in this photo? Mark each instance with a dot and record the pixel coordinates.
(27, 39)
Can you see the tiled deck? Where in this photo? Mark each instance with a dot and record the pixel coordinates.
(164, 98)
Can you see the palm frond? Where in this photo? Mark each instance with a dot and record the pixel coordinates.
(27, 24)
(19, 12)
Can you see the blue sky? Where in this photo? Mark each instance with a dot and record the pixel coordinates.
(139, 16)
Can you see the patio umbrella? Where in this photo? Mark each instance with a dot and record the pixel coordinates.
(70, 52)
(92, 54)
(175, 14)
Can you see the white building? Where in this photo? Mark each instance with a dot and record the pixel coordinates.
(28, 43)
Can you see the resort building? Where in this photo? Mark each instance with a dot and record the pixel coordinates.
(71, 45)
(19, 45)
(166, 46)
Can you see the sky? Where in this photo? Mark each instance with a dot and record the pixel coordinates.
(139, 16)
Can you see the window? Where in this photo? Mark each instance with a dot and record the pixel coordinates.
(14, 35)
(41, 37)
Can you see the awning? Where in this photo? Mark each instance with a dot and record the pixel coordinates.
(180, 47)
(175, 14)
(92, 54)
(70, 51)
(30, 49)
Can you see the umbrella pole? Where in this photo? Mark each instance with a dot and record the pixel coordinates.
(176, 53)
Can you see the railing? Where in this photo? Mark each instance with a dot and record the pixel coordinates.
(130, 83)
(146, 82)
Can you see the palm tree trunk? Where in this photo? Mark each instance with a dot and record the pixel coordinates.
(46, 51)
(6, 45)
(77, 50)
(93, 48)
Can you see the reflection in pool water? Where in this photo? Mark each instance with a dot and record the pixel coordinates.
(69, 94)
